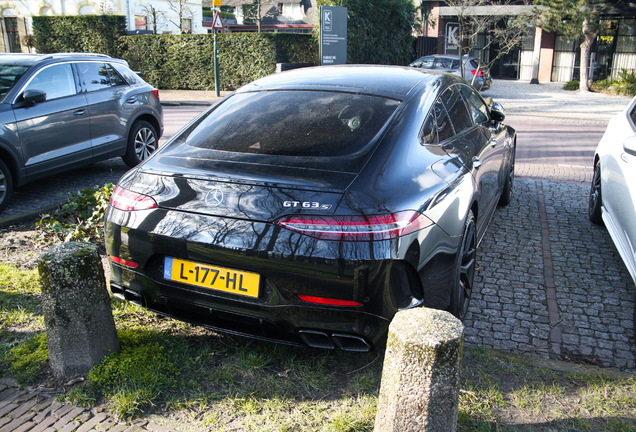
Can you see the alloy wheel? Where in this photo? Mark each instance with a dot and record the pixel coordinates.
(145, 143)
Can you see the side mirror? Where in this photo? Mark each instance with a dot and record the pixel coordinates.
(32, 97)
(497, 112)
(630, 145)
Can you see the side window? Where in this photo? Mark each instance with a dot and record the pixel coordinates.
(443, 63)
(115, 79)
(443, 123)
(476, 105)
(131, 77)
(94, 75)
(455, 64)
(456, 109)
(632, 115)
(426, 62)
(57, 81)
(428, 134)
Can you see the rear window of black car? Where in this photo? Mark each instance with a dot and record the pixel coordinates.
(294, 123)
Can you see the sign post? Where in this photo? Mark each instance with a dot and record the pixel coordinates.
(217, 25)
(333, 35)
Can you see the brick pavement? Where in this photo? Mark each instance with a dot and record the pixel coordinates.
(39, 411)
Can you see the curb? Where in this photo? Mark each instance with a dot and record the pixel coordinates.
(186, 103)
(28, 215)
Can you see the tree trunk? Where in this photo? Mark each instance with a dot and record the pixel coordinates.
(586, 47)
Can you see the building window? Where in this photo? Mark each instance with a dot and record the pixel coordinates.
(13, 36)
(292, 10)
(87, 10)
(141, 22)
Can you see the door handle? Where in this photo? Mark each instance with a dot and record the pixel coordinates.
(476, 162)
(493, 142)
(132, 100)
(79, 112)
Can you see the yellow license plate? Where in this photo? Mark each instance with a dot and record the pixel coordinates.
(212, 277)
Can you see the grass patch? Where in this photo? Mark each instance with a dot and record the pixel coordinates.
(205, 380)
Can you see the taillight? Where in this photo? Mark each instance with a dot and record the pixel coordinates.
(122, 261)
(155, 92)
(328, 301)
(126, 200)
(356, 228)
(478, 73)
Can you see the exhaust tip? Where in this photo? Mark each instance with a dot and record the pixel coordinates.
(351, 343)
(134, 297)
(316, 339)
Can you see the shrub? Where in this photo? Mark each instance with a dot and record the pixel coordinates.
(625, 84)
(186, 61)
(86, 33)
(572, 85)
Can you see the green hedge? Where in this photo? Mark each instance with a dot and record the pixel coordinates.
(186, 61)
(86, 33)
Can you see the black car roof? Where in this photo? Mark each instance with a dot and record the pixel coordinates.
(375, 79)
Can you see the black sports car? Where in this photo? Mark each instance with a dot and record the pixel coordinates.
(309, 206)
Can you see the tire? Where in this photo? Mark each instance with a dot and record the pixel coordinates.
(595, 202)
(142, 142)
(6, 185)
(506, 195)
(464, 271)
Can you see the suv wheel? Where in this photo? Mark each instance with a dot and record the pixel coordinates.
(6, 185)
(142, 142)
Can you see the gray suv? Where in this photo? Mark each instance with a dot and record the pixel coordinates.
(63, 111)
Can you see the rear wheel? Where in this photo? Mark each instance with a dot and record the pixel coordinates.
(6, 185)
(464, 272)
(595, 202)
(142, 142)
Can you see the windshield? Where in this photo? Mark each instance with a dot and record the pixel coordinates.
(9, 75)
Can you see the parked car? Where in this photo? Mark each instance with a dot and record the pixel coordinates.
(310, 206)
(450, 63)
(613, 190)
(63, 111)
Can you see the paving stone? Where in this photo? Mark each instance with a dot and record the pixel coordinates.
(43, 424)
(106, 425)
(17, 422)
(62, 422)
(100, 417)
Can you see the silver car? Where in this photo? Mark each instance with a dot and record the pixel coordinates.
(63, 111)
(613, 192)
(473, 68)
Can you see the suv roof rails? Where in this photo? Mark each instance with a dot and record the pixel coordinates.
(56, 55)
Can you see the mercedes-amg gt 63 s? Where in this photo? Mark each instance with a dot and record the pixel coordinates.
(308, 207)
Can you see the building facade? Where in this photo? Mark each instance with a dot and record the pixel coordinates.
(285, 16)
(171, 16)
(550, 55)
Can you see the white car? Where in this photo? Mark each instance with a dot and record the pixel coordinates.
(613, 192)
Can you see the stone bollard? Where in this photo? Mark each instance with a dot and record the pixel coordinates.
(420, 378)
(80, 329)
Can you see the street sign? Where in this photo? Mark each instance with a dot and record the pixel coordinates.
(217, 3)
(217, 24)
(333, 35)
(451, 45)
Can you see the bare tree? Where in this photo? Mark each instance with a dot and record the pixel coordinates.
(257, 11)
(155, 17)
(483, 24)
(183, 11)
